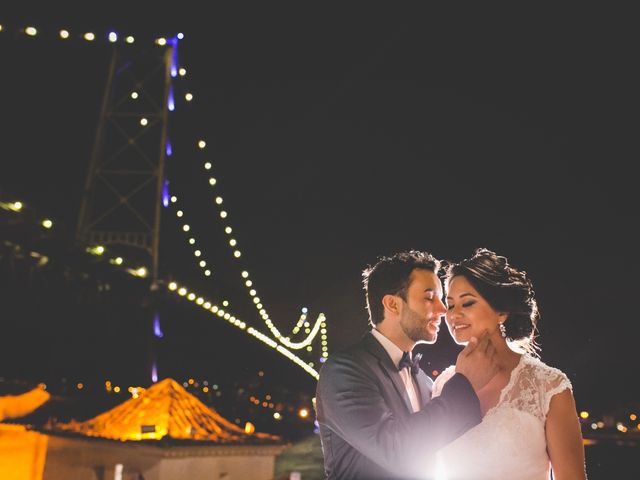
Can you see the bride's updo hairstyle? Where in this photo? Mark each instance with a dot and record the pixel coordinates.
(507, 289)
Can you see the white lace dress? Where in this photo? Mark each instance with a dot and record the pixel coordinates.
(510, 441)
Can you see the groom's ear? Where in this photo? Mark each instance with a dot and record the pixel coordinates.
(391, 303)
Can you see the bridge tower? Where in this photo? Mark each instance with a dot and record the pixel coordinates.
(123, 194)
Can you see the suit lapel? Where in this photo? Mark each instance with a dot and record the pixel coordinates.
(387, 367)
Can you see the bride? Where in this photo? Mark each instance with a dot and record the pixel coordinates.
(530, 426)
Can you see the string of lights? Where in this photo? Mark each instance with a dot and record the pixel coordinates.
(220, 312)
(67, 34)
(319, 325)
(223, 214)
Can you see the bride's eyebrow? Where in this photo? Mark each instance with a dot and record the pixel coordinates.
(462, 295)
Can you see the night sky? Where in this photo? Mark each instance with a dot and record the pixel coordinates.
(340, 134)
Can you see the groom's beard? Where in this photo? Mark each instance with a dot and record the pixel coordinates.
(416, 327)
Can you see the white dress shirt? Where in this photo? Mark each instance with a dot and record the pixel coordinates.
(396, 355)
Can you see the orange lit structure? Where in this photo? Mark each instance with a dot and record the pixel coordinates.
(22, 452)
(15, 406)
(165, 411)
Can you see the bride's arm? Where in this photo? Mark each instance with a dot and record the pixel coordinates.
(564, 438)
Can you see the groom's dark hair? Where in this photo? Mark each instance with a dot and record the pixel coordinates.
(391, 276)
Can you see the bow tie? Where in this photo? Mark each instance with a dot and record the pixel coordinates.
(406, 361)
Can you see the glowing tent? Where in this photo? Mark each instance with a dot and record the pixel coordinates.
(165, 411)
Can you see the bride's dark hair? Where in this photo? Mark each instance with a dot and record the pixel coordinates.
(507, 289)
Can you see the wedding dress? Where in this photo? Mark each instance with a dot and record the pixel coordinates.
(510, 441)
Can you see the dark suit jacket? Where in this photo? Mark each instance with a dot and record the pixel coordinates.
(367, 427)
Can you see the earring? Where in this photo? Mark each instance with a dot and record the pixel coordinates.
(503, 330)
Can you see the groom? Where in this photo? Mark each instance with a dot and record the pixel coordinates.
(373, 401)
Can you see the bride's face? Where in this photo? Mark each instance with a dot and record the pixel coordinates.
(468, 314)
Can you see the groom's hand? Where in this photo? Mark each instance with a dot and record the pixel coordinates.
(478, 361)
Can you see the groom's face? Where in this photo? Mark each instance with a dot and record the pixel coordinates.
(423, 308)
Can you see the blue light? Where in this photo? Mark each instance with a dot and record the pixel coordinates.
(174, 58)
(168, 149)
(165, 193)
(156, 326)
(154, 372)
(171, 104)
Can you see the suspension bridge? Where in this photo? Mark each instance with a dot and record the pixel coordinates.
(129, 191)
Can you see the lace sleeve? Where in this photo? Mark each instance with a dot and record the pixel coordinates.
(554, 382)
(439, 382)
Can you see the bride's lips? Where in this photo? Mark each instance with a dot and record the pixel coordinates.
(460, 327)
